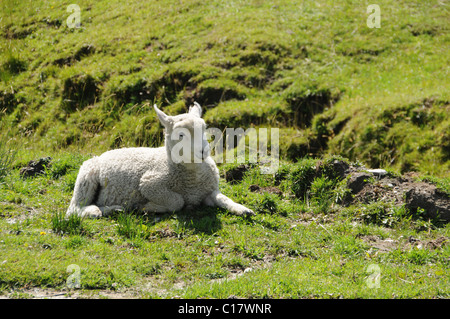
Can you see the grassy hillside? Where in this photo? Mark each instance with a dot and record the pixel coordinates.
(336, 89)
(313, 68)
(303, 242)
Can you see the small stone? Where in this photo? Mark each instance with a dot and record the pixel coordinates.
(377, 172)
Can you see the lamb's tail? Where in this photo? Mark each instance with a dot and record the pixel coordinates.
(85, 190)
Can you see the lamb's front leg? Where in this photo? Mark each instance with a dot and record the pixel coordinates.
(160, 198)
(161, 206)
(219, 199)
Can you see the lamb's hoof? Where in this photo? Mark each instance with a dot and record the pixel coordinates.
(91, 212)
(248, 212)
(244, 211)
(108, 210)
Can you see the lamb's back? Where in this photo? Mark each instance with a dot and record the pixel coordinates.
(120, 172)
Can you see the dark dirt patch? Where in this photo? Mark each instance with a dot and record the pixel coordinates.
(428, 197)
(383, 245)
(84, 51)
(9, 101)
(401, 190)
(388, 244)
(79, 91)
(35, 168)
(164, 88)
(236, 174)
(437, 243)
(210, 93)
(306, 102)
(268, 189)
(165, 232)
(433, 244)
(51, 293)
(367, 187)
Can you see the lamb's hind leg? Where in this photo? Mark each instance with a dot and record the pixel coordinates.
(85, 191)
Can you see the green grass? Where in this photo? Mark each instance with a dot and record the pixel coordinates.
(291, 249)
(73, 225)
(314, 69)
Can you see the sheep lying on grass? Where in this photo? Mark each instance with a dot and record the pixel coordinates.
(154, 179)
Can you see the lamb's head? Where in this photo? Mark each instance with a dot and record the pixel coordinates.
(185, 140)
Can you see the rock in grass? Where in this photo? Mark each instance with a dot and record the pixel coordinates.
(378, 172)
(435, 203)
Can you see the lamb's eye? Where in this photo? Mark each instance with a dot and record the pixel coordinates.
(181, 135)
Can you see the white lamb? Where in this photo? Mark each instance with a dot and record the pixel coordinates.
(153, 179)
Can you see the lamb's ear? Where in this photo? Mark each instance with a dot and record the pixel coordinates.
(163, 117)
(196, 110)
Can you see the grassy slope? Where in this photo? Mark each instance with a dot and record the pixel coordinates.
(288, 250)
(249, 63)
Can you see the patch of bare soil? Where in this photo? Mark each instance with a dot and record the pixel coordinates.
(268, 189)
(235, 175)
(35, 168)
(49, 293)
(388, 244)
(383, 245)
(377, 185)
